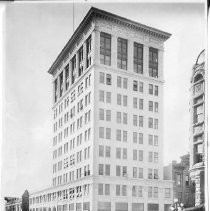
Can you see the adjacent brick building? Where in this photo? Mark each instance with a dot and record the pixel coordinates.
(183, 188)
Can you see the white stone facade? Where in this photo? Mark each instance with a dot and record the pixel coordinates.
(111, 166)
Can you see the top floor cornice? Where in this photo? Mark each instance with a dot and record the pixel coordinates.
(97, 13)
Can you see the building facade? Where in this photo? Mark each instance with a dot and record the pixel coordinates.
(13, 204)
(198, 125)
(183, 188)
(108, 119)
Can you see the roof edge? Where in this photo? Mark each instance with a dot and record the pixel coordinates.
(93, 11)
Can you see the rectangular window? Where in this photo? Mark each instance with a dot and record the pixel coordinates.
(67, 76)
(156, 123)
(155, 140)
(101, 96)
(118, 117)
(150, 105)
(150, 139)
(125, 83)
(119, 81)
(89, 47)
(125, 136)
(119, 97)
(141, 138)
(153, 62)
(124, 190)
(134, 172)
(134, 120)
(118, 171)
(156, 107)
(108, 151)
(108, 97)
(118, 135)
(155, 173)
(156, 90)
(155, 192)
(55, 90)
(107, 170)
(150, 159)
(108, 133)
(149, 192)
(150, 123)
(134, 154)
(107, 190)
(150, 89)
(101, 114)
(108, 79)
(73, 71)
(140, 173)
(100, 169)
(138, 58)
(135, 85)
(101, 151)
(118, 153)
(102, 77)
(141, 87)
(122, 53)
(117, 190)
(105, 48)
(80, 61)
(134, 191)
(101, 132)
(167, 192)
(141, 104)
(108, 115)
(134, 102)
(134, 137)
(156, 157)
(140, 155)
(178, 179)
(100, 189)
(124, 153)
(125, 118)
(187, 181)
(124, 171)
(61, 83)
(125, 100)
(141, 121)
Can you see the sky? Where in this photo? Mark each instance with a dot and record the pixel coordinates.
(36, 33)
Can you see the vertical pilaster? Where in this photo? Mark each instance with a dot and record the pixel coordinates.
(114, 51)
(160, 64)
(146, 60)
(130, 56)
(96, 49)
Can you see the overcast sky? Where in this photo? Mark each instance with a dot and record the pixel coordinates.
(36, 33)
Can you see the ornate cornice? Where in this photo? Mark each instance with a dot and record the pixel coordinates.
(97, 13)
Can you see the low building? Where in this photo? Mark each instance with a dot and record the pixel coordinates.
(183, 188)
(12, 204)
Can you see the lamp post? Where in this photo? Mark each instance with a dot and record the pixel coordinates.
(176, 206)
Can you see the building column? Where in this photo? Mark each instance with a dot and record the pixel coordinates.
(130, 56)
(199, 188)
(146, 60)
(114, 51)
(96, 46)
(160, 64)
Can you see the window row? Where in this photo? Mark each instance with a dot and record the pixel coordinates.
(122, 55)
(73, 70)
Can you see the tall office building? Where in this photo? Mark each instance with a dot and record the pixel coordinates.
(197, 144)
(108, 119)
